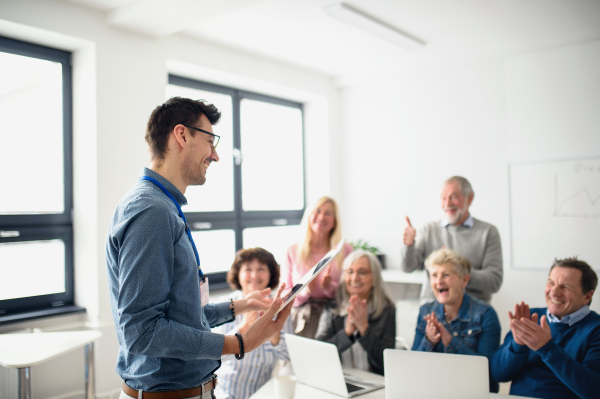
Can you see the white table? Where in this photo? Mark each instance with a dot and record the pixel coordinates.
(304, 391)
(23, 351)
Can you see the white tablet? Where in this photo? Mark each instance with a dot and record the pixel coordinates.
(311, 274)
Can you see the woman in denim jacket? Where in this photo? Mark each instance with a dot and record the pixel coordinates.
(455, 322)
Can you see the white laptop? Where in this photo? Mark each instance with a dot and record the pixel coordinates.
(412, 374)
(317, 364)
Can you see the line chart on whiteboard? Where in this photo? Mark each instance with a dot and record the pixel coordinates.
(577, 191)
(554, 211)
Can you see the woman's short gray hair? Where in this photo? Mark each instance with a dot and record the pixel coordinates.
(379, 297)
(460, 264)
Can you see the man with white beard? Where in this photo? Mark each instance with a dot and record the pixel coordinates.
(472, 238)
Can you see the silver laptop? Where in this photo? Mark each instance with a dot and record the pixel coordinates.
(411, 374)
(317, 364)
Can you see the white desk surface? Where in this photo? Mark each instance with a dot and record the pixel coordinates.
(398, 276)
(304, 391)
(26, 350)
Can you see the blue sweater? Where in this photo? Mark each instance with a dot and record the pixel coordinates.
(568, 366)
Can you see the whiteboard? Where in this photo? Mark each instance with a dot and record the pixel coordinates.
(555, 212)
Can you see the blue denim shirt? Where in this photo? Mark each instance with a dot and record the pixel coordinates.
(475, 331)
(165, 342)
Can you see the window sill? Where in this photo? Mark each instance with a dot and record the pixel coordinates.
(39, 313)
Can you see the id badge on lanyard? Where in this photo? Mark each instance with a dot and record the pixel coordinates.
(204, 291)
(202, 278)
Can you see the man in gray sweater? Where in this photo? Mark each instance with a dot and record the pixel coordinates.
(474, 239)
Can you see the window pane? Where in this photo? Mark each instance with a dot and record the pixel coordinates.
(274, 239)
(31, 113)
(216, 195)
(216, 249)
(272, 169)
(32, 268)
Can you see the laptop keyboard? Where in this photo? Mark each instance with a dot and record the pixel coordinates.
(352, 388)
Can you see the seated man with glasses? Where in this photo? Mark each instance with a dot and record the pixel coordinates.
(364, 322)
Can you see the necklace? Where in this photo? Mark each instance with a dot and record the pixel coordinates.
(448, 319)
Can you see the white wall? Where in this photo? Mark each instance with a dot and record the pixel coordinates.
(119, 78)
(406, 133)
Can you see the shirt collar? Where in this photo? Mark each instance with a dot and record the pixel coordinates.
(464, 313)
(167, 184)
(570, 318)
(470, 222)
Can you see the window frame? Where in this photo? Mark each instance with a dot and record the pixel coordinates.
(238, 219)
(32, 227)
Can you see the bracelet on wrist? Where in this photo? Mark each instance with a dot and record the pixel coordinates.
(241, 342)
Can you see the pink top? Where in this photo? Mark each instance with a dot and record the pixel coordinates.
(292, 272)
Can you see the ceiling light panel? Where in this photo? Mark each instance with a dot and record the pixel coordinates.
(366, 22)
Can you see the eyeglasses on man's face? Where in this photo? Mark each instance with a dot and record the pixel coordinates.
(216, 136)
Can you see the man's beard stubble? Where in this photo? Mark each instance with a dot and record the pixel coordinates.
(192, 174)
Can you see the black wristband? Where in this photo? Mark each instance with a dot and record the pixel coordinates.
(241, 341)
(232, 308)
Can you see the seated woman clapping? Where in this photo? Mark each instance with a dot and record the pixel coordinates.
(253, 269)
(364, 322)
(455, 322)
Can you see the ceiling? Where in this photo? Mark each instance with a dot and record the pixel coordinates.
(298, 32)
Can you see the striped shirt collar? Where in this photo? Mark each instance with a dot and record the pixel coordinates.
(570, 318)
(470, 222)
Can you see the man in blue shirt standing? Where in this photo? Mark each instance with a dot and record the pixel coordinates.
(158, 292)
(554, 352)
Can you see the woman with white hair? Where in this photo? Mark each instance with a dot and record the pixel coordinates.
(364, 322)
(321, 231)
(455, 322)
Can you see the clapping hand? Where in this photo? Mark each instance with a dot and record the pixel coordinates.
(254, 301)
(349, 328)
(436, 331)
(431, 331)
(326, 280)
(521, 311)
(526, 330)
(357, 311)
(323, 280)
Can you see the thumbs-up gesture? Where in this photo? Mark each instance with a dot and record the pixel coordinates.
(409, 234)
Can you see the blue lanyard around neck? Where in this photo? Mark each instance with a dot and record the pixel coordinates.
(187, 228)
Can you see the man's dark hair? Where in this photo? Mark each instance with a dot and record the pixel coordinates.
(589, 278)
(174, 111)
(244, 256)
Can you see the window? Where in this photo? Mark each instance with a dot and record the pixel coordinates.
(36, 234)
(254, 196)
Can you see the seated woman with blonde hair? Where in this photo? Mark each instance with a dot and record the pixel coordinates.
(364, 322)
(321, 231)
(253, 269)
(455, 322)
